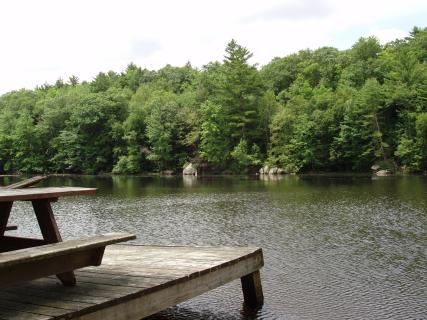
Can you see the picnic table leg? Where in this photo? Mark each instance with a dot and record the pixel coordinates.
(50, 232)
(5, 208)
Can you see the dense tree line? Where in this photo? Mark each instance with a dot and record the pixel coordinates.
(321, 110)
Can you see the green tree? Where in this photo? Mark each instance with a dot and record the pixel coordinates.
(87, 142)
(240, 90)
(159, 133)
(215, 144)
(245, 157)
(360, 140)
(313, 110)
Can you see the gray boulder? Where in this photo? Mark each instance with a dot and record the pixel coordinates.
(266, 169)
(272, 171)
(190, 170)
(383, 173)
(375, 167)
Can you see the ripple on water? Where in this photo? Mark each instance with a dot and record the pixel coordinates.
(334, 249)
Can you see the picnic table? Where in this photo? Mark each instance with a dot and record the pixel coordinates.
(23, 259)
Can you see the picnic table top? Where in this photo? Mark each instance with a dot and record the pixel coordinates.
(7, 195)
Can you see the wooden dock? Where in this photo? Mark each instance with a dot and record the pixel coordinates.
(136, 281)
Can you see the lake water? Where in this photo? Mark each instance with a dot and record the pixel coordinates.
(349, 247)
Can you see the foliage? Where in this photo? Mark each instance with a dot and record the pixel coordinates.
(245, 157)
(215, 145)
(313, 110)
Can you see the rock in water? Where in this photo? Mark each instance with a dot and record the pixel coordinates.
(190, 170)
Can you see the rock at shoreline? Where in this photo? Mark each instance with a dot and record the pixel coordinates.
(383, 173)
(272, 171)
(190, 170)
(266, 169)
(375, 167)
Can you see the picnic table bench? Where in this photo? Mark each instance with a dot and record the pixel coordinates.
(36, 262)
(11, 227)
(23, 259)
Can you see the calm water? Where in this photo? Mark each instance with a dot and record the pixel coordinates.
(335, 247)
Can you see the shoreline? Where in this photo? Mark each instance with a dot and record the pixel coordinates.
(306, 174)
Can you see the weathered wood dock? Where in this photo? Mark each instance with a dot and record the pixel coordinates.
(134, 282)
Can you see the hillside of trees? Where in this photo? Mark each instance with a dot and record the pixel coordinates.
(315, 110)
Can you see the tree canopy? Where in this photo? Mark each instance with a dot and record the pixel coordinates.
(314, 110)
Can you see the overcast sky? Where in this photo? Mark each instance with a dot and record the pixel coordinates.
(44, 40)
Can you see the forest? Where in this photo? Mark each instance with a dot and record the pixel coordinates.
(311, 111)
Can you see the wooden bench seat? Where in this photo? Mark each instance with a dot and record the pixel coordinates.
(10, 227)
(36, 262)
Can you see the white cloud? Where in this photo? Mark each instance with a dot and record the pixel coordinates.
(47, 39)
(294, 10)
(385, 35)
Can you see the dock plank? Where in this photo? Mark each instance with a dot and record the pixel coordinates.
(52, 301)
(32, 308)
(19, 315)
(43, 293)
(133, 282)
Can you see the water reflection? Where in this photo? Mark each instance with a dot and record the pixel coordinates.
(272, 177)
(189, 181)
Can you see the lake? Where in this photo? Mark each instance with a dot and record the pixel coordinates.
(335, 247)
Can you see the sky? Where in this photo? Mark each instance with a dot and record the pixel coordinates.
(41, 41)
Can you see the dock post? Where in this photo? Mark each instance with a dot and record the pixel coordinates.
(252, 290)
